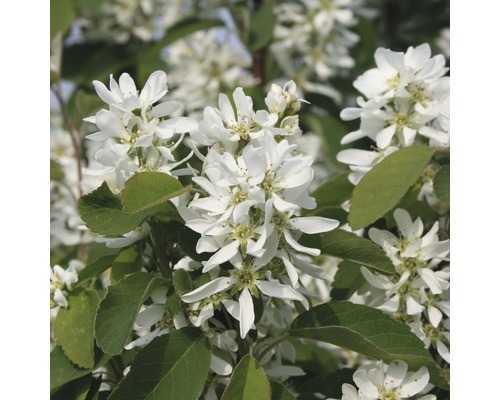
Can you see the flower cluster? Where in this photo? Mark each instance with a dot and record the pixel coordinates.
(407, 100)
(395, 382)
(312, 42)
(204, 64)
(61, 282)
(254, 186)
(136, 131)
(418, 293)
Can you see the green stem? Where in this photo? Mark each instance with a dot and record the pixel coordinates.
(261, 355)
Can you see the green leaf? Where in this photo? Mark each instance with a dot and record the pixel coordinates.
(76, 389)
(328, 384)
(331, 130)
(149, 60)
(118, 310)
(368, 331)
(101, 210)
(74, 327)
(62, 14)
(187, 239)
(248, 382)
(346, 281)
(279, 392)
(62, 370)
(173, 366)
(94, 269)
(182, 281)
(333, 212)
(56, 171)
(385, 185)
(127, 262)
(146, 190)
(442, 184)
(350, 247)
(261, 26)
(334, 192)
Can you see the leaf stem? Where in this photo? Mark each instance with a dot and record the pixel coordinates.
(261, 355)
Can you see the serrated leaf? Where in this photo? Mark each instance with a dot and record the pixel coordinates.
(368, 331)
(74, 327)
(386, 183)
(346, 281)
(118, 310)
(350, 247)
(76, 389)
(261, 26)
(442, 184)
(146, 190)
(279, 392)
(248, 382)
(62, 370)
(173, 366)
(101, 210)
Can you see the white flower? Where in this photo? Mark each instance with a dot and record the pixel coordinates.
(377, 381)
(62, 281)
(137, 130)
(246, 279)
(156, 315)
(126, 239)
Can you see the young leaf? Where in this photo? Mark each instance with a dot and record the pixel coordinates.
(279, 392)
(368, 331)
(74, 327)
(261, 26)
(442, 184)
(118, 310)
(384, 186)
(351, 247)
(173, 366)
(182, 281)
(146, 190)
(101, 210)
(248, 382)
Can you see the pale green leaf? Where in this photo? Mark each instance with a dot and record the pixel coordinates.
(62, 14)
(74, 327)
(442, 184)
(146, 190)
(172, 366)
(386, 184)
(101, 210)
(248, 382)
(368, 331)
(279, 392)
(118, 310)
(350, 247)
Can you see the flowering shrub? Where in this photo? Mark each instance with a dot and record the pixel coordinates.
(227, 224)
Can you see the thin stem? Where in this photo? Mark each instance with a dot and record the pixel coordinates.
(261, 355)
